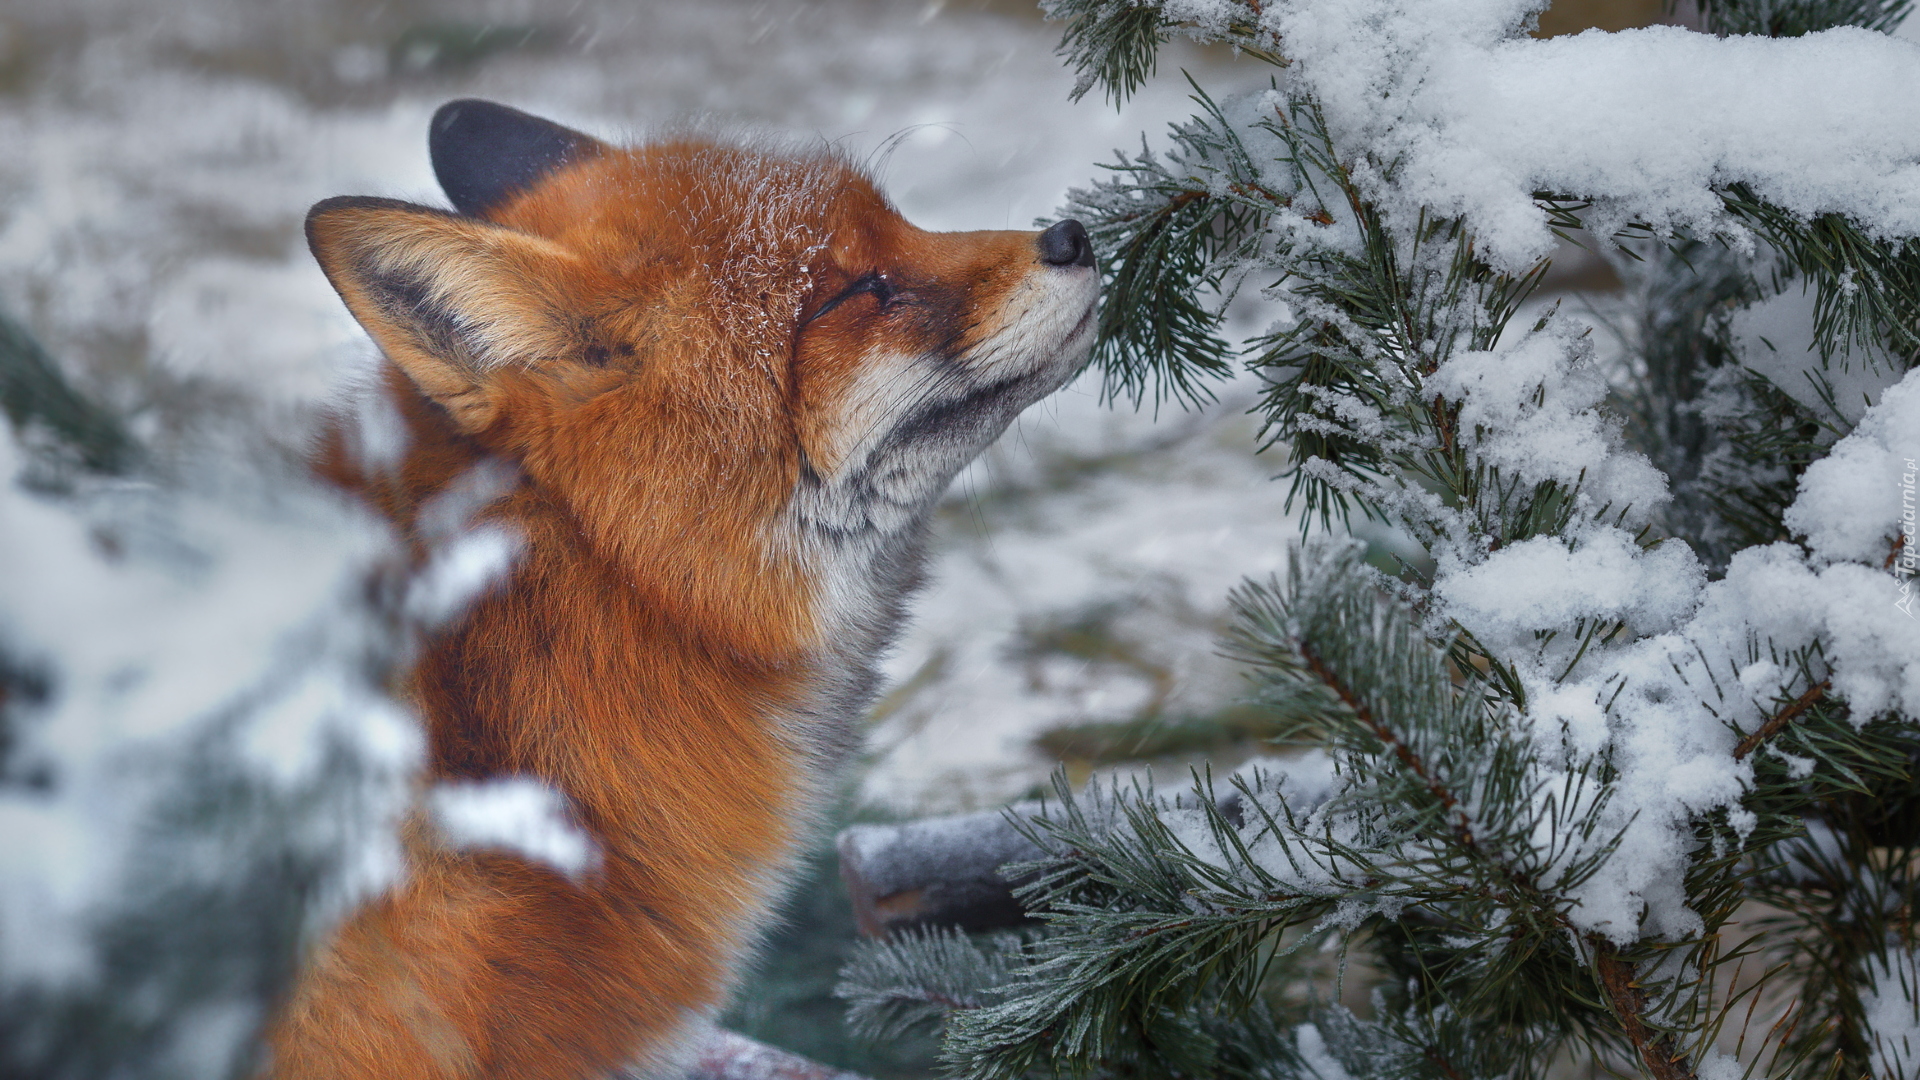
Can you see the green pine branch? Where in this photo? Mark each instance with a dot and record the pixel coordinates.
(1154, 906)
(1794, 18)
(1867, 288)
(915, 979)
(1451, 844)
(1173, 230)
(1115, 44)
(35, 396)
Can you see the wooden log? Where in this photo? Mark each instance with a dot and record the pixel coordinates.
(945, 871)
(728, 1055)
(942, 871)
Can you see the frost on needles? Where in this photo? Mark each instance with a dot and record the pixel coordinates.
(1658, 664)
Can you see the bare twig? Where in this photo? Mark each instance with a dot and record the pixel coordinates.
(1786, 716)
(1441, 1063)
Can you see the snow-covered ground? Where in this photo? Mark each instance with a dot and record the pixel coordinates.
(156, 160)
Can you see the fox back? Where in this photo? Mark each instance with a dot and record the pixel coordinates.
(707, 393)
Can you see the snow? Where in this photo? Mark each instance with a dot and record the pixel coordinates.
(1302, 855)
(1472, 118)
(185, 638)
(1775, 338)
(1688, 676)
(1304, 780)
(462, 572)
(1314, 1054)
(1082, 516)
(1891, 1008)
(1855, 503)
(1450, 110)
(980, 841)
(1698, 663)
(1874, 644)
(1543, 583)
(149, 232)
(1668, 730)
(157, 173)
(1717, 1066)
(1533, 407)
(518, 814)
(726, 1055)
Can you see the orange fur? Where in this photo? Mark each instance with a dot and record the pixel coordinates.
(648, 338)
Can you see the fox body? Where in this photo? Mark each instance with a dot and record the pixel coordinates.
(714, 390)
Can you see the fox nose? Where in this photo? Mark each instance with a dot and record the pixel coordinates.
(1065, 243)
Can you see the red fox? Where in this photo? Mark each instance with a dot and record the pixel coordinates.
(725, 382)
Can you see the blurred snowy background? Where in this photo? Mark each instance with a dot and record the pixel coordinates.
(157, 158)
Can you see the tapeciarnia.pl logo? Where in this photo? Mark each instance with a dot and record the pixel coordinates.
(1908, 560)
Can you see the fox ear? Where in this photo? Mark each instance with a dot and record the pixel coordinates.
(451, 300)
(484, 154)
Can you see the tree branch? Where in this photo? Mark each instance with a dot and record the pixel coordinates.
(1786, 716)
(1663, 1060)
(1385, 734)
(1435, 1058)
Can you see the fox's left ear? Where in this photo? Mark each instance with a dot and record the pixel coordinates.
(457, 303)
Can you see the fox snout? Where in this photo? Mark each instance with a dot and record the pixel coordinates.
(1065, 243)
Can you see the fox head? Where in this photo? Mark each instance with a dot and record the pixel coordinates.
(736, 353)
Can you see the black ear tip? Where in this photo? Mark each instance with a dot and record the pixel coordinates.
(447, 117)
(484, 153)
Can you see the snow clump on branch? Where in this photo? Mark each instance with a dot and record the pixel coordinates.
(1647, 123)
(199, 760)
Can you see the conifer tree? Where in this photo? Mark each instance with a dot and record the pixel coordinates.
(200, 764)
(1621, 774)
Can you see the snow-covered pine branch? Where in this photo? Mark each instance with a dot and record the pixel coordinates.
(1661, 657)
(201, 765)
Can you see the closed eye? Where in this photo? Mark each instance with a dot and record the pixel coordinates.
(874, 283)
